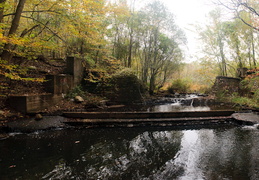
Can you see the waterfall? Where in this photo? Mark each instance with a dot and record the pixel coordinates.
(192, 102)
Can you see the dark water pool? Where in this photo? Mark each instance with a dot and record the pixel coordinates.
(132, 153)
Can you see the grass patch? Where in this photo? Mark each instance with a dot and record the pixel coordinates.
(244, 101)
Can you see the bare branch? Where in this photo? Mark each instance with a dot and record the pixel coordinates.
(250, 8)
(54, 33)
(40, 11)
(246, 23)
(237, 7)
(26, 31)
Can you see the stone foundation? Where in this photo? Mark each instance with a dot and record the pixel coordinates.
(59, 84)
(55, 86)
(226, 84)
(33, 103)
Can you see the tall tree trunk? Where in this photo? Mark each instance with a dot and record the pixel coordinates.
(2, 3)
(7, 55)
(152, 83)
(154, 65)
(145, 66)
(223, 60)
(130, 50)
(249, 56)
(253, 50)
(240, 63)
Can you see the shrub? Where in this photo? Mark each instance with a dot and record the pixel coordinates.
(180, 86)
(256, 96)
(125, 87)
(244, 88)
(76, 91)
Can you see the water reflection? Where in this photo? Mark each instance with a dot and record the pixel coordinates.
(137, 153)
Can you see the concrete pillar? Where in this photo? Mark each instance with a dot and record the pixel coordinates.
(58, 84)
(75, 68)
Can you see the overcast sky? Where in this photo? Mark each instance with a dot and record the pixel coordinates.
(188, 12)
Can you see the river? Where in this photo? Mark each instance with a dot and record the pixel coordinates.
(156, 153)
(132, 153)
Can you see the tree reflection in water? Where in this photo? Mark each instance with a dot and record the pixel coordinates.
(132, 153)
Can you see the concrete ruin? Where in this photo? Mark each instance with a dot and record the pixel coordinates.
(55, 87)
(226, 84)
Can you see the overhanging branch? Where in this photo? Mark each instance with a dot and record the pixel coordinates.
(40, 11)
(54, 33)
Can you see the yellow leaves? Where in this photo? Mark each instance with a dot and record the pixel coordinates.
(14, 72)
(3, 39)
(14, 40)
(119, 10)
(56, 25)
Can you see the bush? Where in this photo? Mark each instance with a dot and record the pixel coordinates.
(256, 96)
(244, 87)
(125, 87)
(180, 86)
(76, 91)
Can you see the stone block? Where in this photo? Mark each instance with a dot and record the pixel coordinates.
(227, 84)
(33, 103)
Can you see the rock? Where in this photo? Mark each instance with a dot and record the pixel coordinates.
(176, 95)
(79, 99)
(38, 117)
(103, 103)
(1, 112)
(251, 118)
(32, 67)
(4, 136)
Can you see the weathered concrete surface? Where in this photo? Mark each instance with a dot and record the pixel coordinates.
(33, 103)
(249, 118)
(75, 68)
(146, 115)
(227, 84)
(58, 84)
(123, 120)
(131, 119)
(31, 125)
(149, 122)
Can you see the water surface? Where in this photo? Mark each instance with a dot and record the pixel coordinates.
(132, 153)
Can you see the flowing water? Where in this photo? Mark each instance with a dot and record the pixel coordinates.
(187, 102)
(132, 153)
(211, 153)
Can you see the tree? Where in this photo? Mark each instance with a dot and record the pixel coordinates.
(238, 7)
(247, 11)
(233, 34)
(214, 41)
(56, 28)
(119, 36)
(131, 32)
(6, 54)
(2, 4)
(147, 40)
(161, 39)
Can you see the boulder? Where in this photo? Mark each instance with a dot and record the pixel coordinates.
(79, 99)
(32, 67)
(38, 117)
(2, 113)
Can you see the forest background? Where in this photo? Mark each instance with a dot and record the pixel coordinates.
(114, 35)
